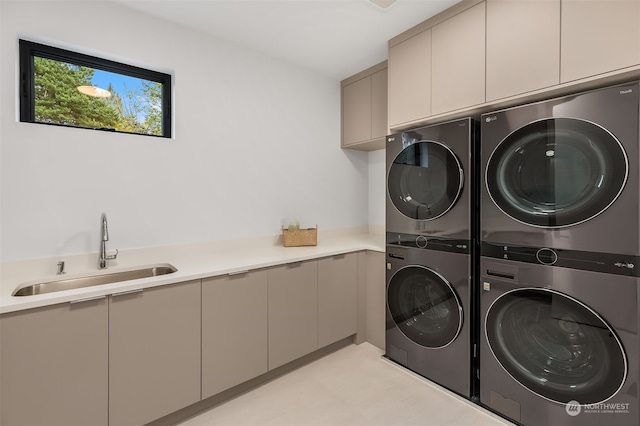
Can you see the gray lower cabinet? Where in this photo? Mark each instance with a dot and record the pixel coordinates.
(293, 311)
(154, 352)
(134, 357)
(54, 367)
(234, 330)
(376, 299)
(337, 298)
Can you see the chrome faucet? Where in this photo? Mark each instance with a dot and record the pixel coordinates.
(104, 237)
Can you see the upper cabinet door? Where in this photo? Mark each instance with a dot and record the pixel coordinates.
(458, 56)
(356, 111)
(364, 109)
(410, 79)
(598, 36)
(379, 127)
(523, 46)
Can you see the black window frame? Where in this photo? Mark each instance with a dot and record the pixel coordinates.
(29, 49)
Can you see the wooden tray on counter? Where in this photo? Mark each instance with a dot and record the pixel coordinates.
(300, 237)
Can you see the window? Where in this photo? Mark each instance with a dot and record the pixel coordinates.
(64, 88)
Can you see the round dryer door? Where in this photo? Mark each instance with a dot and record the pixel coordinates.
(556, 172)
(556, 346)
(424, 306)
(425, 180)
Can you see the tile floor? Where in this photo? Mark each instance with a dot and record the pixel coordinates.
(352, 386)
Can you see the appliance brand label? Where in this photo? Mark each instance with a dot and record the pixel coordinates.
(491, 118)
(624, 92)
(391, 139)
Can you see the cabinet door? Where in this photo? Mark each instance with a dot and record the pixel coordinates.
(293, 312)
(154, 352)
(356, 111)
(410, 79)
(458, 58)
(234, 330)
(523, 46)
(337, 298)
(379, 127)
(598, 36)
(376, 299)
(54, 367)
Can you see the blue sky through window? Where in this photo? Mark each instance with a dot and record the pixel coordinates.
(121, 83)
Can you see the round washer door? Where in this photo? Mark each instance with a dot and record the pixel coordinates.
(424, 306)
(557, 172)
(556, 346)
(425, 180)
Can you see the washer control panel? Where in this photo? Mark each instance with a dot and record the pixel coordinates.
(428, 242)
(610, 263)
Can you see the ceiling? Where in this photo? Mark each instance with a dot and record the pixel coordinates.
(337, 38)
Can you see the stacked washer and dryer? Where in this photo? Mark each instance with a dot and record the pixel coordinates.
(532, 255)
(560, 260)
(430, 236)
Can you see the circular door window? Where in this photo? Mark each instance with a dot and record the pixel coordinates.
(425, 180)
(556, 172)
(424, 306)
(556, 346)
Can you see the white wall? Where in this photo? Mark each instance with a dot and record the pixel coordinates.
(377, 188)
(256, 139)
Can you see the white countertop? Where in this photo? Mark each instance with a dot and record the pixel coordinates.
(194, 261)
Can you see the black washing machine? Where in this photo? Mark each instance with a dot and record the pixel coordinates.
(430, 180)
(562, 174)
(559, 345)
(428, 316)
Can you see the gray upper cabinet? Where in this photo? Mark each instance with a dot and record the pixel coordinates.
(293, 311)
(409, 78)
(154, 352)
(54, 366)
(457, 61)
(364, 109)
(337, 298)
(234, 330)
(480, 54)
(523, 46)
(438, 65)
(598, 36)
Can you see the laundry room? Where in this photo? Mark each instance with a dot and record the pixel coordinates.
(315, 212)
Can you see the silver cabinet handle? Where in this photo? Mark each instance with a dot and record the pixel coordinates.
(86, 299)
(245, 271)
(123, 293)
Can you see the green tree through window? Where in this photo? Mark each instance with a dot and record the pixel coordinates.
(58, 100)
(67, 88)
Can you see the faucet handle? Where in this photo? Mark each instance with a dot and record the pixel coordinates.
(60, 268)
(113, 256)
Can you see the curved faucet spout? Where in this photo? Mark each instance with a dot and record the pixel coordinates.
(104, 237)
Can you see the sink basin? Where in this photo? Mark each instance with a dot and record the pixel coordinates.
(98, 278)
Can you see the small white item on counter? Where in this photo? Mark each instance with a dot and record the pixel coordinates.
(294, 225)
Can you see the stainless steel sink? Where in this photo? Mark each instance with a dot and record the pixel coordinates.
(61, 284)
